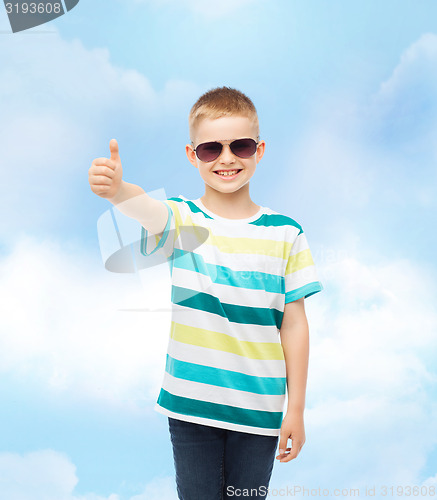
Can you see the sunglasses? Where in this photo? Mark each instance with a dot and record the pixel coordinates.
(210, 151)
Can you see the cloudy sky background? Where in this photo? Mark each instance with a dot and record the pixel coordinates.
(347, 99)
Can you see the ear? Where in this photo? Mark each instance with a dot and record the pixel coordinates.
(191, 155)
(260, 150)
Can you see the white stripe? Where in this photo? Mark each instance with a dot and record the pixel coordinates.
(222, 395)
(249, 260)
(213, 322)
(226, 293)
(300, 244)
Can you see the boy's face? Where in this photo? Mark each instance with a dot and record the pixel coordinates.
(225, 130)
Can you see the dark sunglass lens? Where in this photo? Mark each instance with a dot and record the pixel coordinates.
(244, 148)
(208, 151)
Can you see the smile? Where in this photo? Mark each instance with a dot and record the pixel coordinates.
(228, 174)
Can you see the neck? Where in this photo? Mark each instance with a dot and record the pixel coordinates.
(237, 205)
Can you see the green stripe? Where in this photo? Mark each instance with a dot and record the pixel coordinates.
(264, 220)
(267, 316)
(276, 220)
(215, 411)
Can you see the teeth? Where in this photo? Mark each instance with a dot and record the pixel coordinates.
(228, 172)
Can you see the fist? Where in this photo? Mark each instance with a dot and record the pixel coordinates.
(105, 174)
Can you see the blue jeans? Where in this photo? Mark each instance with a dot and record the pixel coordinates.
(216, 464)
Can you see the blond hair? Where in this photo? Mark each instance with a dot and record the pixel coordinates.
(221, 101)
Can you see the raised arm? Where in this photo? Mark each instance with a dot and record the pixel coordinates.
(105, 178)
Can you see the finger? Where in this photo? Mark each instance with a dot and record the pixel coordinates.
(101, 170)
(282, 453)
(113, 147)
(106, 162)
(100, 180)
(99, 190)
(287, 457)
(282, 444)
(290, 456)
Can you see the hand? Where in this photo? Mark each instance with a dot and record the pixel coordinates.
(292, 427)
(105, 174)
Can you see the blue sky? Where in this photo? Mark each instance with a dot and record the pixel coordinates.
(347, 99)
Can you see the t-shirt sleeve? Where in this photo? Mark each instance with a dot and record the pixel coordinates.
(301, 279)
(165, 241)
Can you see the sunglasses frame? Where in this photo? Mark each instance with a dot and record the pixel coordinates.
(224, 143)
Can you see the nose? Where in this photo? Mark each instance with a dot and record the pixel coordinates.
(226, 155)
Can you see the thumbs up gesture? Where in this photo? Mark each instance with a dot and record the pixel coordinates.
(105, 174)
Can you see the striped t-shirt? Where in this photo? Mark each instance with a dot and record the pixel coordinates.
(225, 365)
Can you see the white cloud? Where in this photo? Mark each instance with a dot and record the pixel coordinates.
(58, 104)
(366, 154)
(50, 475)
(40, 475)
(431, 481)
(160, 488)
(64, 326)
(415, 73)
(403, 111)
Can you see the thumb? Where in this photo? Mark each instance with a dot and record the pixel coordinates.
(113, 147)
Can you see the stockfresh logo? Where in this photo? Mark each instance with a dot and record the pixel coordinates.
(24, 15)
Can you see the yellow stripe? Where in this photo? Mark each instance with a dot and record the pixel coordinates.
(232, 245)
(223, 342)
(271, 248)
(299, 261)
(200, 234)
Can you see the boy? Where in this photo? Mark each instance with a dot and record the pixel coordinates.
(227, 368)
